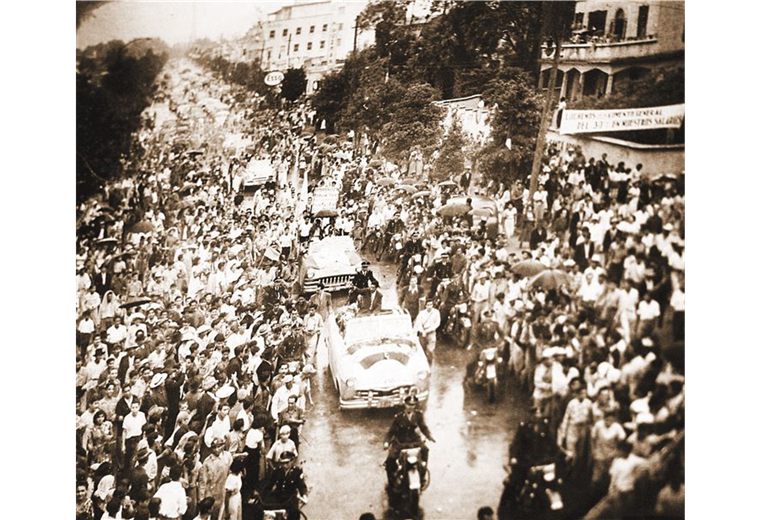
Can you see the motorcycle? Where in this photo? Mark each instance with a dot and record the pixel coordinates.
(459, 325)
(410, 479)
(541, 490)
(487, 373)
(265, 509)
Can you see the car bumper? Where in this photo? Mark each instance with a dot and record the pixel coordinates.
(378, 402)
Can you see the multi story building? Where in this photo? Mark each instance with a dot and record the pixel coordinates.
(317, 36)
(615, 42)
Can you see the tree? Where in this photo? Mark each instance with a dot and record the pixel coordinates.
(293, 84)
(450, 160)
(414, 121)
(516, 116)
(112, 92)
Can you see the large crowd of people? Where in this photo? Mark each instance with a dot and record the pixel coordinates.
(195, 344)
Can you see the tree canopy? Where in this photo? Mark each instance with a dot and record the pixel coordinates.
(293, 84)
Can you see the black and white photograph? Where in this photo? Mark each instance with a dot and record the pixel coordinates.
(375, 259)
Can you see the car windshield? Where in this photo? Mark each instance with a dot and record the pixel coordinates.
(377, 328)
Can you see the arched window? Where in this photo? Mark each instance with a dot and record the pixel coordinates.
(619, 25)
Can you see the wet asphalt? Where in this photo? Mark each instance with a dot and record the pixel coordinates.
(342, 451)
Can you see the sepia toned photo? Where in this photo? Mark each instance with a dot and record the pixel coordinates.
(419, 259)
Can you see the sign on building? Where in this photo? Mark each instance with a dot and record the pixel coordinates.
(274, 78)
(587, 121)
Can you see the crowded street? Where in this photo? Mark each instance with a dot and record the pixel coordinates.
(276, 320)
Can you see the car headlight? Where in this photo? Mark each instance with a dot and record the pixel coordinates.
(310, 273)
(350, 389)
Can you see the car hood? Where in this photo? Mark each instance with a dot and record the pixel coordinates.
(385, 374)
(335, 253)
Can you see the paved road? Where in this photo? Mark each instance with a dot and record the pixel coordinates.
(342, 453)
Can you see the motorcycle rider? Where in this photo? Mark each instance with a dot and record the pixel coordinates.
(438, 272)
(406, 432)
(487, 337)
(533, 445)
(286, 487)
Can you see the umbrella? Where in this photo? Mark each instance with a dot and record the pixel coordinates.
(453, 209)
(419, 194)
(386, 181)
(481, 212)
(375, 163)
(135, 303)
(407, 188)
(420, 183)
(528, 268)
(326, 213)
(142, 227)
(110, 241)
(551, 279)
(447, 183)
(187, 187)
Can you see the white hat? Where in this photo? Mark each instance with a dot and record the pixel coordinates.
(157, 380)
(287, 379)
(253, 438)
(225, 391)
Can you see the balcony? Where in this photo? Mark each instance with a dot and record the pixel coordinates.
(604, 52)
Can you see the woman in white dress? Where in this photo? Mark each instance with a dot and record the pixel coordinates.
(233, 502)
(510, 214)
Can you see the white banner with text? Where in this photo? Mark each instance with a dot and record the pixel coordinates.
(586, 121)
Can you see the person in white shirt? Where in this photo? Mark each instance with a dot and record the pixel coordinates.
(173, 496)
(280, 398)
(427, 322)
(312, 325)
(648, 311)
(132, 427)
(479, 295)
(220, 428)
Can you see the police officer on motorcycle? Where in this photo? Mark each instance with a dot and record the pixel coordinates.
(407, 431)
(533, 445)
(286, 488)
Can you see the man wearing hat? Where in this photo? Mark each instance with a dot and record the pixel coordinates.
(286, 487)
(361, 281)
(404, 433)
(213, 475)
(440, 270)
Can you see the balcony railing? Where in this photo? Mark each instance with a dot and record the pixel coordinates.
(605, 52)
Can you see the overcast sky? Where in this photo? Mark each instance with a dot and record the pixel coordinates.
(172, 21)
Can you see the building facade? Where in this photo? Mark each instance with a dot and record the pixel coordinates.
(317, 36)
(616, 42)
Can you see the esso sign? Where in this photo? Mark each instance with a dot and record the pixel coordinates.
(274, 78)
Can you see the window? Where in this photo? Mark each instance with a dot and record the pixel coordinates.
(308, 46)
(641, 27)
(340, 26)
(322, 44)
(339, 40)
(597, 21)
(578, 20)
(271, 33)
(295, 48)
(282, 51)
(298, 31)
(311, 29)
(269, 54)
(618, 26)
(284, 32)
(324, 28)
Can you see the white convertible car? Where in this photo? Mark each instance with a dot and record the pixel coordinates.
(375, 359)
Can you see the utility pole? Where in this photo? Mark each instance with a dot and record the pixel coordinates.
(545, 116)
(356, 30)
